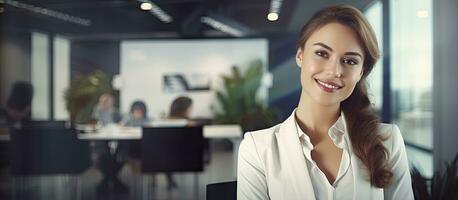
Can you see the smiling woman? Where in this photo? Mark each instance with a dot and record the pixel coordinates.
(332, 145)
(332, 63)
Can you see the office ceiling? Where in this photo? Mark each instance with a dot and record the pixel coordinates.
(123, 18)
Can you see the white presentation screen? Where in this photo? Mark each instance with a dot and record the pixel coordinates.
(158, 71)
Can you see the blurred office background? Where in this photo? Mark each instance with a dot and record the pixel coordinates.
(233, 59)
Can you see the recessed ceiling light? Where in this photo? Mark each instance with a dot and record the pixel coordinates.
(154, 9)
(146, 6)
(272, 16)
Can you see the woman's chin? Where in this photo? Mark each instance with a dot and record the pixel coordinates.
(327, 102)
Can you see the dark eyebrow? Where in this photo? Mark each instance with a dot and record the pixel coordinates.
(330, 49)
(353, 54)
(324, 46)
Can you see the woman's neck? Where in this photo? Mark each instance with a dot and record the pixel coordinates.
(315, 118)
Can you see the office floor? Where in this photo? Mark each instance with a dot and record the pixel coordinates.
(141, 187)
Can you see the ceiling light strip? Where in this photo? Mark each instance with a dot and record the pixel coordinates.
(47, 12)
(275, 6)
(221, 26)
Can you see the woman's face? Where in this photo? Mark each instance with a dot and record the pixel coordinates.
(138, 114)
(105, 102)
(331, 63)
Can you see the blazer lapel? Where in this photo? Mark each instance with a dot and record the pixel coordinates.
(293, 159)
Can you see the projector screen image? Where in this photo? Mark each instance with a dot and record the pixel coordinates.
(179, 82)
(158, 71)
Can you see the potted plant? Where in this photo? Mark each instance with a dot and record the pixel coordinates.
(238, 102)
(83, 94)
(442, 186)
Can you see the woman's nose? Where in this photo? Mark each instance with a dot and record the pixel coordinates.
(334, 67)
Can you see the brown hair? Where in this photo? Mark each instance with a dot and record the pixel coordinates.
(179, 107)
(362, 120)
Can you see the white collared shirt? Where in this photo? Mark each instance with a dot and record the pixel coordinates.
(272, 165)
(342, 188)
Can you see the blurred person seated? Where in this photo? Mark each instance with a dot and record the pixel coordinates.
(131, 150)
(18, 106)
(126, 151)
(180, 113)
(104, 112)
(180, 109)
(16, 114)
(138, 115)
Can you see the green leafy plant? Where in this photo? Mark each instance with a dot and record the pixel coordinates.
(83, 94)
(238, 102)
(442, 186)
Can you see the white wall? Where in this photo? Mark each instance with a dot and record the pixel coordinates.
(143, 63)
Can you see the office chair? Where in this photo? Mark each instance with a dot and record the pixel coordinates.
(173, 149)
(47, 151)
(222, 191)
(44, 124)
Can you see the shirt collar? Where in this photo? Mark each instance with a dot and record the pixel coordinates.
(337, 132)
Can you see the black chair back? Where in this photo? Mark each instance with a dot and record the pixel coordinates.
(172, 149)
(48, 151)
(36, 124)
(222, 191)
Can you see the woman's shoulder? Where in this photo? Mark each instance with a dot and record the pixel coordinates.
(260, 139)
(263, 134)
(392, 137)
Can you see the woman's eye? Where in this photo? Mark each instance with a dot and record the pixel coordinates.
(321, 54)
(350, 61)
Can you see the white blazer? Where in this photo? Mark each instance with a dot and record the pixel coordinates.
(271, 165)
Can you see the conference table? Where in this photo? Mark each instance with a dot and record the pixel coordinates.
(114, 133)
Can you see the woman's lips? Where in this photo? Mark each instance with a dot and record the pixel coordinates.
(327, 86)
